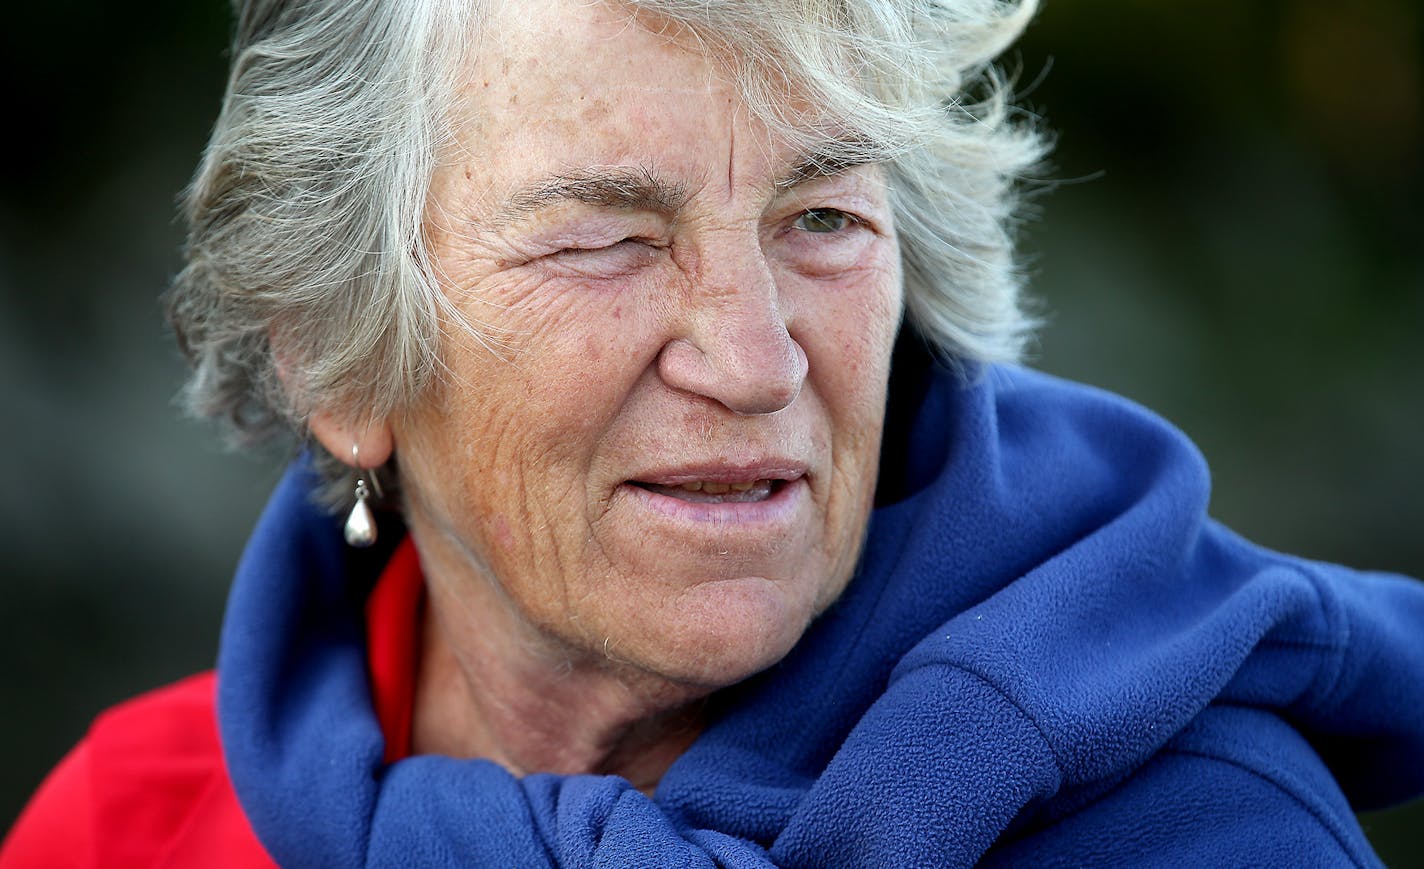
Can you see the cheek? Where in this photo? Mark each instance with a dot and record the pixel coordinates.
(506, 441)
(484, 502)
(551, 356)
(847, 328)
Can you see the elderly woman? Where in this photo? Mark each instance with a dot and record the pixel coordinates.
(666, 542)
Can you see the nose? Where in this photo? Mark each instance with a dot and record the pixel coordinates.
(735, 346)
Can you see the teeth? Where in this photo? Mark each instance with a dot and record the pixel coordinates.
(707, 492)
(716, 488)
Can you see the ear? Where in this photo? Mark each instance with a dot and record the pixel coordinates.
(372, 441)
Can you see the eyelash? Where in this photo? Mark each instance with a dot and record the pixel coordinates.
(651, 244)
(618, 258)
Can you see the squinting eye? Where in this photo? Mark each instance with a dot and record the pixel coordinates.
(823, 220)
(616, 259)
(628, 246)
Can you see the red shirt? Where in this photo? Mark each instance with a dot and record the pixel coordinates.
(147, 786)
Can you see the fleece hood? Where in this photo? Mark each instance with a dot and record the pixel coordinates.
(1049, 655)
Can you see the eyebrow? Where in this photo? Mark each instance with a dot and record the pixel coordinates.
(836, 155)
(636, 188)
(624, 187)
(824, 164)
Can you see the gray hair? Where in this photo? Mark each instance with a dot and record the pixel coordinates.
(306, 214)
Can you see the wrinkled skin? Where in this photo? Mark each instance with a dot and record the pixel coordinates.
(698, 322)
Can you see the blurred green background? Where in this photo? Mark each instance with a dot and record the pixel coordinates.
(1236, 243)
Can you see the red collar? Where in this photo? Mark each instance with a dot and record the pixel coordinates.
(393, 621)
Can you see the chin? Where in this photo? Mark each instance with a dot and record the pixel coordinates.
(727, 630)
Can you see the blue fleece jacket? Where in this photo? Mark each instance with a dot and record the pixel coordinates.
(1049, 656)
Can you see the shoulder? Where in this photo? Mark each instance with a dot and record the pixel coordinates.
(1238, 786)
(146, 786)
(174, 721)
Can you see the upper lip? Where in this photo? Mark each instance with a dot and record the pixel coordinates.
(723, 472)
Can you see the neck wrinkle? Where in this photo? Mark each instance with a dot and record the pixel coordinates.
(473, 699)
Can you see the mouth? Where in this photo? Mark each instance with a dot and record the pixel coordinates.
(747, 483)
(713, 492)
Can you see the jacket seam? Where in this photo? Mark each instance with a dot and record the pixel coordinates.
(1330, 666)
(1018, 707)
(1304, 805)
(1337, 622)
(212, 787)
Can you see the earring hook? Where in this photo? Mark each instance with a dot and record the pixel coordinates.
(362, 473)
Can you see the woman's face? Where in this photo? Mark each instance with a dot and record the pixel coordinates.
(664, 452)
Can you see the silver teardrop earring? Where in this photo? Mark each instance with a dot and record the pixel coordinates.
(361, 524)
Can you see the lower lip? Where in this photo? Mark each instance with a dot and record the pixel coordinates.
(778, 508)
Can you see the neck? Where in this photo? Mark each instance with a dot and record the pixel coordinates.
(483, 691)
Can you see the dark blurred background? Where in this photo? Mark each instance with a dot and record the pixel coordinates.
(1237, 244)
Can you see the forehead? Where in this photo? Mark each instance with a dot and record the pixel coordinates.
(562, 84)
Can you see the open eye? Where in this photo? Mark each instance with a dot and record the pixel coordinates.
(824, 220)
(824, 241)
